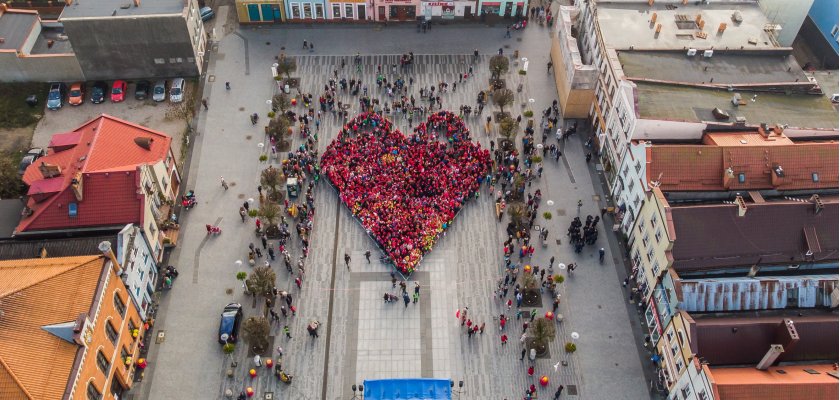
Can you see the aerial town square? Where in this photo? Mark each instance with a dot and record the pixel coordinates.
(412, 199)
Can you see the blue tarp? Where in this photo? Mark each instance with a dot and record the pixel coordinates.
(408, 389)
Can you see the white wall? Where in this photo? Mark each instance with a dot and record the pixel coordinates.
(139, 265)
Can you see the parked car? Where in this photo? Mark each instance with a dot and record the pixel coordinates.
(55, 98)
(159, 91)
(118, 91)
(31, 156)
(229, 323)
(142, 90)
(176, 91)
(97, 94)
(77, 94)
(206, 13)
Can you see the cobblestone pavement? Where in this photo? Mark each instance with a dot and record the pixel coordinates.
(363, 337)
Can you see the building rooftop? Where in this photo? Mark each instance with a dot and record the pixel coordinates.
(680, 103)
(807, 381)
(37, 294)
(65, 247)
(752, 293)
(52, 41)
(103, 156)
(714, 236)
(743, 162)
(744, 338)
(626, 24)
(719, 69)
(121, 8)
(15, 27)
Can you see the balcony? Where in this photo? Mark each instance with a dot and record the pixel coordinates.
(169, 229)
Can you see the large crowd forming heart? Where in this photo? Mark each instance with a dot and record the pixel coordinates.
(405, 191)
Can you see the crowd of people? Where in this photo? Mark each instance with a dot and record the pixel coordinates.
(405, 191)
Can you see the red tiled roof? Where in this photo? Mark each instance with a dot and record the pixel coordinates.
(777, 383)
(109, 199)
(713, 236)
(704, 167)
(107, 152)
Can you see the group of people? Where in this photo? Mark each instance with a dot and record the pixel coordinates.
(405, 191)
(589, 235)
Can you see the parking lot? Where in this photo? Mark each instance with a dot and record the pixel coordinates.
(164, 116)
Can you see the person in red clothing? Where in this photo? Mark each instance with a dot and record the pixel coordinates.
(504, 339)
(531, 371)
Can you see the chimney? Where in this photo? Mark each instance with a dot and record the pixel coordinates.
(721, 27)
(742, 206)
(76, 184)
(68, 2)
(728, 176)
(3, 7)
(105, 248)
(697, 19)
(144, 142)
(818, 203)
(653, 18)
(136, 3)
(770, 357)
(650, 3)
(49, 170)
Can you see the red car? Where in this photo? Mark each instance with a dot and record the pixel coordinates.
(118, 91)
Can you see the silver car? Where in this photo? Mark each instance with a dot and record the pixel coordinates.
(176, 91)
(159, 91)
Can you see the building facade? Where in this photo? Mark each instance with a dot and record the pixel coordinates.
(821, 32)
(260, 11)
(85, 348)
(575, 80)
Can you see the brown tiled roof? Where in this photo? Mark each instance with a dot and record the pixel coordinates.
(704, 167)
(714, 340)
(714, 236)
(35, 293)
(793, 382)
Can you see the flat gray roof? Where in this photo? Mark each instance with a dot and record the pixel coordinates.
(681, 103)
(60, 44)
(121, 8)
(724, 68)
(626, 24)
(15, 28)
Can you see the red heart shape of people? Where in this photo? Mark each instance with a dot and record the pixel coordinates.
(405, 191)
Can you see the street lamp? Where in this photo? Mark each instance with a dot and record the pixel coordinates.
(358, 392)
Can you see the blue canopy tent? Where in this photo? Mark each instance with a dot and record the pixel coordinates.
(408, 389)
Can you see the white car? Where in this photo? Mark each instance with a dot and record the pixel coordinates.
(176, 91)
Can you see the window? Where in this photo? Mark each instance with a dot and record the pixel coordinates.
(131, 325)
(336, 10)
(686, 391)
(631, 185)
(160, 61)
(111, 332)
(742, 177)
(674, 349)
(680, 364)
(295, 10)
(641, 225)
(655, 268)
(654, 220)
(103, 363)
(834, 31)
(119, 304)
(93, 393)
(319, 11)
(638, 167)
(815, 177)
(650, 254)
(348, 10)
(626, 171)
(172, 60)
(701, 395)
(681, 338)
(307, 10)
(645, 240)
(658, 235)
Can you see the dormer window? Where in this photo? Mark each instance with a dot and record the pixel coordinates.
(742, 177)
(815, 177)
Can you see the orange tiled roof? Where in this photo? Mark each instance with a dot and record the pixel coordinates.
(34, 293)
(748, 383)
(704, 167)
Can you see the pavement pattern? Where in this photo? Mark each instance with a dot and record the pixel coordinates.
(362, 337)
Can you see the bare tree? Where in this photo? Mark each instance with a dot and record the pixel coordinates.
(256, 331)
(502, 98)
(499, 65)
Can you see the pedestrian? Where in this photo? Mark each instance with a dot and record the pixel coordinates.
(274, 315)
(405, 299)
(347, 260)
(227, 85)
(224, 184)
(481, 328)
(522, 355)
(601, 253)
(559, 392)
(264, 240)
(531, 370)
(588, 157)
(293, 309)
(549, 66)
(271, 253)
(259, 252)
(507, 32)
(287, 332)
(367, 256)
(242, 213)
(415, 296)
(504, 339)
(533, 314)
(204, 103)
(246, 206)
(283, 311)
(502, 322)
(524, 327)
(417, 288)
(298, 282)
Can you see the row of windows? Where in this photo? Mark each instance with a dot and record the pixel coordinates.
(174, 60)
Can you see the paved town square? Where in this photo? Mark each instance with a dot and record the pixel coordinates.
(363, 337)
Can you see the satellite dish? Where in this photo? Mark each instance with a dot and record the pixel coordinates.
(575, 335)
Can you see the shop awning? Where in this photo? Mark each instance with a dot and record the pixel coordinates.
(408, 389)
